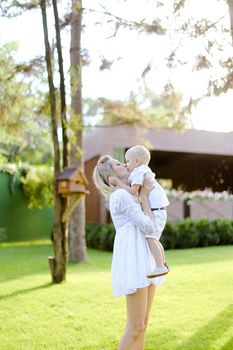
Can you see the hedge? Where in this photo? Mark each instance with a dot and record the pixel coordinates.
(186, 233)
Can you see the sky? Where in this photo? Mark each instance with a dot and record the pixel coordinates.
(213, 114)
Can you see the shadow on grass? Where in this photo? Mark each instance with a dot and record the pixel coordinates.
(208, 336)
(21, 260)
(228, 345)
(211, 333)
(25, 291)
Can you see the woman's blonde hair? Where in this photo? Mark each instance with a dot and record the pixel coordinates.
(101, 174)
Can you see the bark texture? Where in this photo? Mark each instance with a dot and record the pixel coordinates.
(77, 239)
(59, 262)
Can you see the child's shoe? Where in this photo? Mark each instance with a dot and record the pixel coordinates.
(159, 271)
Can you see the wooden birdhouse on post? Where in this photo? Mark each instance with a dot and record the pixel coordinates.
(71, 182)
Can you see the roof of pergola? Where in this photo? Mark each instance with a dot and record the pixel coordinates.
(103, 140)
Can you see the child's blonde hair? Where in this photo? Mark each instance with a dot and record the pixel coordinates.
(103, 170)
(139, 152)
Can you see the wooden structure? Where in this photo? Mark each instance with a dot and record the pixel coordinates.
(71, 183)
(190, 160)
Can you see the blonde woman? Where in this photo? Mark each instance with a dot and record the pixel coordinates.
(132, 259)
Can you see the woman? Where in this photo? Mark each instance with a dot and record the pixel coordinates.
(132, 259)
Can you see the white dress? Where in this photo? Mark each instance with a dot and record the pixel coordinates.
(132, 259)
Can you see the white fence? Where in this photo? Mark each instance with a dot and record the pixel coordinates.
(200, 208)
(175, 210)
(211, 209)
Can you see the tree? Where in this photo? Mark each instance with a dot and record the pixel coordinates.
(64, 122)
(212, 41)
(202, 44)
(77, 246)
(23, 131)
(77, 220)
(161, 112)
(230, 6)
(59, 262)
(164, 110)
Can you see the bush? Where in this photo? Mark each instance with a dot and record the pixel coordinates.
(3, 234)
(224, 229)
(186, 233)
(37, 184)
(208, 235)
(169, 236)
(92, 235)
(100, 236)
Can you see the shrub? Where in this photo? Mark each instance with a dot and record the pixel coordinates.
(208, 235)
(100, 236)
(224, 230)
(37, 184)
(169, 236)
(3, 234)
(186, 233)
(92, 235)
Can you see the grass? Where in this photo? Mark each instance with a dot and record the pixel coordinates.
(192, 311)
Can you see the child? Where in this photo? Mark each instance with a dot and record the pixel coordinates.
(137, 160)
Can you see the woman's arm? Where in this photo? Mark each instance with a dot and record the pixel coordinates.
(126, 205)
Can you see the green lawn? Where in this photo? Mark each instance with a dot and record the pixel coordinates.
(192, 311)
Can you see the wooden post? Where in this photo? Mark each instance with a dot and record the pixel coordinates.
(69, 209)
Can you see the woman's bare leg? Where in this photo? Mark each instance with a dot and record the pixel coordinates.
(139, 344)
(137, 305)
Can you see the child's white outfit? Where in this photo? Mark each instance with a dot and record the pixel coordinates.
(157, 198)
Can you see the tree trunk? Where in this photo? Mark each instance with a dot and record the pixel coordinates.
(77, 219)
(230, 6)
(62, 88)
(57, 264)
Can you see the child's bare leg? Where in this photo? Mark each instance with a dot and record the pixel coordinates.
(156, 251)
(162, 252)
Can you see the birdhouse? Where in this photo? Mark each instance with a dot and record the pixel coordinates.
(71, 181)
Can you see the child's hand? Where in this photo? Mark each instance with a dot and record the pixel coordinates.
(113, 180)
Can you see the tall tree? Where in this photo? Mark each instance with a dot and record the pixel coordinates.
(64, 121)
(77, 227)
(23, 131)
(162, 112)
(77, 220)
(212, 40)
(230, 6)
(59, 262)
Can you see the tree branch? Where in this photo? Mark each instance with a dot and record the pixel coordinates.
(154, 27)
(209, 26)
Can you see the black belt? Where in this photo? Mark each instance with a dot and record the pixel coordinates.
(158, 208)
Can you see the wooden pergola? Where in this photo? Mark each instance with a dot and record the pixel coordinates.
(191, 160)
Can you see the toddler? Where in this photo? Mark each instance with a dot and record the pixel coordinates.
(137, 160)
